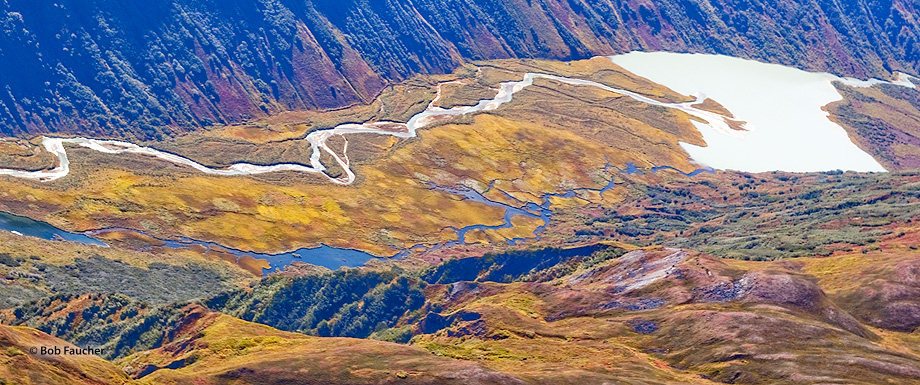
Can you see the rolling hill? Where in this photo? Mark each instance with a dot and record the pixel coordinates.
(554, 316)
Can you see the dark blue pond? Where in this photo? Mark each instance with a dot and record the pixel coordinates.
(329, 257)
(325, 256)
(33, 228)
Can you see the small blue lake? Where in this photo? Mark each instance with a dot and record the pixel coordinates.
(325, 256)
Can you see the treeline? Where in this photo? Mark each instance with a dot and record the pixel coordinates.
(115, 323)
(344, 303)
(536, 265)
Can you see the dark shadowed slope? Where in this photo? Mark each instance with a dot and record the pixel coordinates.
(132, 68)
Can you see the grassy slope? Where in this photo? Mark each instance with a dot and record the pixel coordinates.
(229, 350)
(689, 315)
(18, 366)
(884, 121)
(33, 268)
(653, 315)
(220, 349)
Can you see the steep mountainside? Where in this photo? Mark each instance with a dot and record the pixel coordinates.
(133, 68)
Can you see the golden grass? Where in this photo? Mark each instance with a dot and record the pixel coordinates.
(530, 147)
(230, 345)
(19, 366)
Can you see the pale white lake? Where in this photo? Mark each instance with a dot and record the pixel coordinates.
(790, 130)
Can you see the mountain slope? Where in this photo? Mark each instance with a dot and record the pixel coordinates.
(145, 69)
(725, 321)
(226, 350)
(551, 316)
(19, 366)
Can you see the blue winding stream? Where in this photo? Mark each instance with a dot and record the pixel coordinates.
(30, 227)
(331, 257)
(530, 209)
(632, 169)
(323, 255)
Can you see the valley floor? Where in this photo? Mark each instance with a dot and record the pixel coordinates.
(547, 231)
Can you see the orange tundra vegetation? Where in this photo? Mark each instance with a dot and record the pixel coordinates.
(528, 148)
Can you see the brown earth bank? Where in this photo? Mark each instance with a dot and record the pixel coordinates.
(884, 121)
(714, 106)
(23, 155)
(150, 70)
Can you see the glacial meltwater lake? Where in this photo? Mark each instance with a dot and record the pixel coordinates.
(790, 130)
